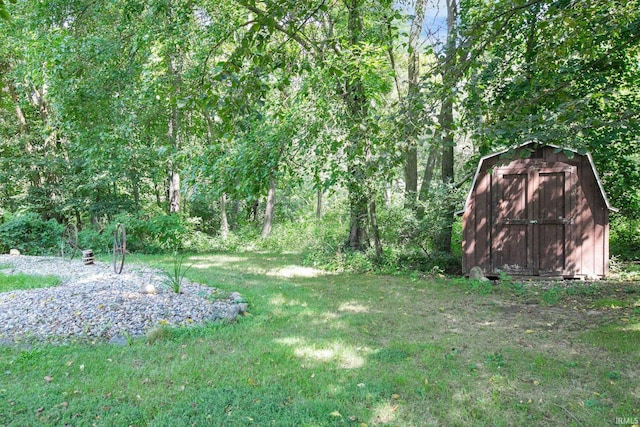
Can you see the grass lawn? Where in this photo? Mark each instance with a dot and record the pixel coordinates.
(322, 350)
(19, 281)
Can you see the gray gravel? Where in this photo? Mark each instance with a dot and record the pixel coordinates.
(95, 304)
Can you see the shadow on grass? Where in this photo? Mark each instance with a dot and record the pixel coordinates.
(343, 349)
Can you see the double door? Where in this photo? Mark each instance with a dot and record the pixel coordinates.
(532, 218)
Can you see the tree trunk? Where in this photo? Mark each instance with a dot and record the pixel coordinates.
(356, 102)
(387, 195)
(173, 133)
(22, 121)
(358, 209)
(135, 187)
(34, 174)
(224, 223)
(269, 210)
(173, 136)
(236, 214)
(319, 204)
(252, 214)
(411, 174)
(158, 191)
(412, 126)
(427, 178)
(443, 241)
(374, 228)
(174, 189)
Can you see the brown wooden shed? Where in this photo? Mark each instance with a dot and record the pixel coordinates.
(538, 211)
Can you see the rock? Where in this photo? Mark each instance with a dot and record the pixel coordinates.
(476, 273)
(236, 297)
(119, 340)
(95, 304)
(14, 252)
(242, 307)
(234, 310)
(148, 288)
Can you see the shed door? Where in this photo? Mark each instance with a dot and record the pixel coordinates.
(532, 212)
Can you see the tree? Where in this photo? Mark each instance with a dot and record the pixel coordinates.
(341, 48)
(150, 108)
(565, 73)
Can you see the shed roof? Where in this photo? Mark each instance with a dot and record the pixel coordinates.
(499, 153)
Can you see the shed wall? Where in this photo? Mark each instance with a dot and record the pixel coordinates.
(588, 235)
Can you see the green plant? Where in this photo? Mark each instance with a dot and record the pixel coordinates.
(552, 295)
(177, 274)
(495, 360)
(608, 303)
(614, 375)
(157, 334)
(506, 282)
(624, 239)
(505, 279)
(483, 287)
(29, 233)
(99, 241)
(154, 234)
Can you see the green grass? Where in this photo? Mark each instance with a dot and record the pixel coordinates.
(11, 282)
(345, 349)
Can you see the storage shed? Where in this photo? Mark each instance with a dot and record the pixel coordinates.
(538, 210)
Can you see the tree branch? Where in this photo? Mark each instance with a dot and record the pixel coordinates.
(295, 34)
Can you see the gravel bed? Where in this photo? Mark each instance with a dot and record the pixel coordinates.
(95, 304)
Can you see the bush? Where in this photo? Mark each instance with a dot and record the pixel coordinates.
(625, 238)
(292, 235)
(30, 234)
(98, 241)
(156, 234)
(407, 241)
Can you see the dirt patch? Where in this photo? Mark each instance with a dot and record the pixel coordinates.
(550, 318)
(537, 317)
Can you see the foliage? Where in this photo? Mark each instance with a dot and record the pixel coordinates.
(325, 248)
(564, 75)
(482, 287)
(30, 234)
(101, 103)
(161, 233)
(155, 234)
(300, 234)
(100, 241)
(177, 273)
(625, 238)
(4, 13)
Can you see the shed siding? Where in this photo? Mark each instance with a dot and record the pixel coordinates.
(569, 201)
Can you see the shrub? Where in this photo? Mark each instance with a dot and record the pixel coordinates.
(625, 238)
(98, 241)
(29, 233)
(155, 234)
(288, 235)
